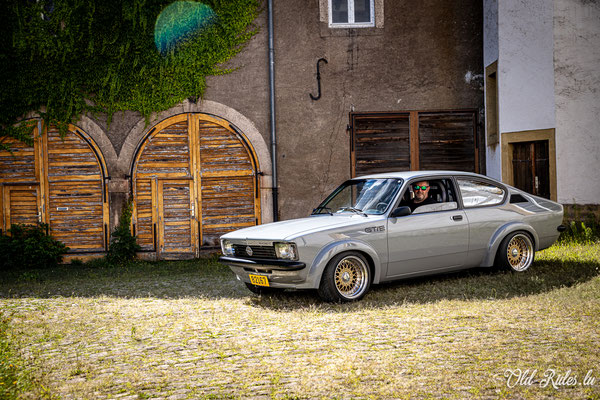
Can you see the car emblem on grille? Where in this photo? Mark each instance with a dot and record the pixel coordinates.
(249, 251)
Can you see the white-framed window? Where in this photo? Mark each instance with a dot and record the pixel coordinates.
(351, 13)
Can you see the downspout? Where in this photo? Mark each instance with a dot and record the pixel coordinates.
(272, 111)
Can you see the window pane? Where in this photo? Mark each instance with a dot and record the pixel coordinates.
(362, 11)
(339, 11)
(475, 193)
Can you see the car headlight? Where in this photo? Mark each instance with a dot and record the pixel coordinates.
(227, 248)
(286, 251)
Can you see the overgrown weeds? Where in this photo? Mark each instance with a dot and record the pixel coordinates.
(581, 232)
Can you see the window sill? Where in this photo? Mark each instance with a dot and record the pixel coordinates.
(326, 31)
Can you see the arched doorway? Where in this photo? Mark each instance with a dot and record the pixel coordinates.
(194, 178)
(60, 181)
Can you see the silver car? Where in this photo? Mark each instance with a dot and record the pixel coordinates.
(384, 227)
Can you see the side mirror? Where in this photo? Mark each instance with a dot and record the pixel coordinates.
(400, 212)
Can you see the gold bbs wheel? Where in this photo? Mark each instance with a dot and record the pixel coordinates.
(351, 277)
(519, 252)
(346, 277)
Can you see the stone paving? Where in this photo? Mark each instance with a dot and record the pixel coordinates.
(188, 337)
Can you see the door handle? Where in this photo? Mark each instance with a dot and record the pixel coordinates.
(457, 217)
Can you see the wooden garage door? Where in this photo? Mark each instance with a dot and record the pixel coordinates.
(415, 140)
(20, 205)
(20, 163)
(76, 198)
(59, 181)
(194, 180)
(19, 186)
(176, 220)
(145, 214)
(228, 182)
(447, 141)
(381, 143)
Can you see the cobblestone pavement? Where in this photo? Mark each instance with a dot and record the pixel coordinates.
(187, 337)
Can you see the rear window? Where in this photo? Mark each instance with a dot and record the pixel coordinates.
(476, 193)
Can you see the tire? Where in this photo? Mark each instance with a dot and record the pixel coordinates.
(262, 289)
(347, 277)
(516, 252)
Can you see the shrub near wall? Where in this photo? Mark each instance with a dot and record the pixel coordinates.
(123, 245)
(30, 246)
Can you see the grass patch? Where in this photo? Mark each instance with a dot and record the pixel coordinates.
(12, 379)
(189, 329)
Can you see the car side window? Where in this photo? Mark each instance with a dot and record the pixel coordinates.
(476, 193)
(440, 195)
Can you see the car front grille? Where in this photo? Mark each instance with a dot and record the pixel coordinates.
(267, 252)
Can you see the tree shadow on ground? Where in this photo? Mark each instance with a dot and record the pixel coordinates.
(474, 284)
(201, 278)
(207, 279)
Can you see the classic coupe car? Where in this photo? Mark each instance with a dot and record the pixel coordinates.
(384, 227)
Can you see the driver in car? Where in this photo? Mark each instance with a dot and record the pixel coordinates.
(421, 191)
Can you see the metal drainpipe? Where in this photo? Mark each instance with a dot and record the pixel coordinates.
(272, 110)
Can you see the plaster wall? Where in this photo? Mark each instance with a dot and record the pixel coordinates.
(490, 31)
(525, 65)
(577, 88)
(423, 56)
(490, 54)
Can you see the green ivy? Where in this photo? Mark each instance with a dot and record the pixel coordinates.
(63, 58)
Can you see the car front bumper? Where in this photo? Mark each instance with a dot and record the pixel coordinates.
(262, 264)
(280, 273)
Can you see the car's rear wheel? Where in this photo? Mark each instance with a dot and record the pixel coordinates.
(347, 277)
(516, 252)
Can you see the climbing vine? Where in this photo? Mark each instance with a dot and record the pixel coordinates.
(63, 58)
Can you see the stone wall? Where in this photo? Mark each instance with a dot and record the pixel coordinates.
(424, 55)
(582, 212)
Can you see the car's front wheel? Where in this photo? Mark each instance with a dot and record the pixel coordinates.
(516, 252)
(347, 277)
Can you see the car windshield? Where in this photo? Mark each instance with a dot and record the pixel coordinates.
(364, 196)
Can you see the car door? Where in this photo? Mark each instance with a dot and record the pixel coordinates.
(482, 201)
(436, 239)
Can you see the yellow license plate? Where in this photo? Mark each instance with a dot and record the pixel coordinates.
(259, 280)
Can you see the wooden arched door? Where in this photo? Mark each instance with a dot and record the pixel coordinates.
(61, 181)
(194, 178)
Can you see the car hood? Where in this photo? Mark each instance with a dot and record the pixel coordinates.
(293, 228)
